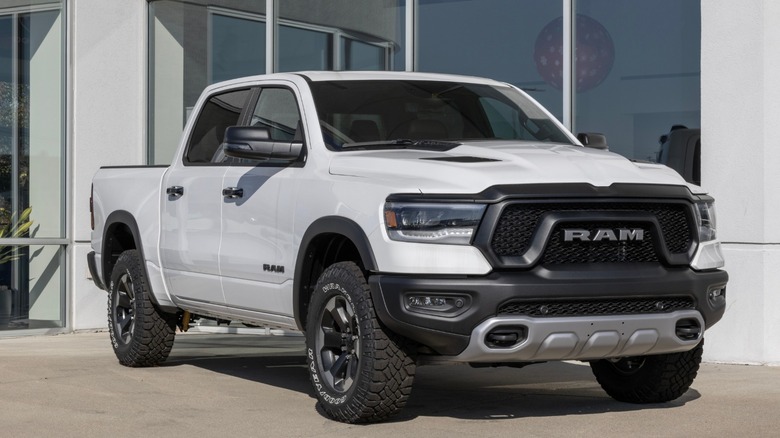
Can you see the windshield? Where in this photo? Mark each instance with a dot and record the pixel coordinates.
(393, 114)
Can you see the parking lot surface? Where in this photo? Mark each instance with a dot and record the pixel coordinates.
(246, 385)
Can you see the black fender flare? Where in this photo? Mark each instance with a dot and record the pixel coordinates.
(329, 225)
(119, 217)
(123, 217)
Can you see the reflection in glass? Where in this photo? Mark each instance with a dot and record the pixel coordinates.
(35, 300)
(649, 83)
(304, 49)
(364, 35)
(499, 44)
(237, 47)
(359, 55)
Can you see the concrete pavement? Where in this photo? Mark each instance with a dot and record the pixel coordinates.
(242, 385)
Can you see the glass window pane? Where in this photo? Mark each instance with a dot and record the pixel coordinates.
(237, 47)
(365, 35)
(277, 110)
(499, 39)
(31, 287)
(39, 160)
(7, 112)
(304, 49)
(638, 71)
(362, 56)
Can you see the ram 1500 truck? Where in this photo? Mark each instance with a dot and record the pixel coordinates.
(399, 219)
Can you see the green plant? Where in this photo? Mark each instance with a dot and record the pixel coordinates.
(14, 229)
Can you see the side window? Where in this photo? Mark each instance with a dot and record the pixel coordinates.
(221, 111)
(277, 110)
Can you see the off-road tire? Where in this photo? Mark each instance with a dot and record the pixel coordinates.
(141, 334)
(649, 379)
(360, 371)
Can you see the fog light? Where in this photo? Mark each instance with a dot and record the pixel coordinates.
(439, 304)
(717, 295)
(427, 302)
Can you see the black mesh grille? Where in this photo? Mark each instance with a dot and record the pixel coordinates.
(596, 307)
(559, 252)
(518, 222)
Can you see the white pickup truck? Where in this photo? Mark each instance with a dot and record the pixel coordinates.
(401, 219)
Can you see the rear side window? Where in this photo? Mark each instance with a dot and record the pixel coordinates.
(221, 111)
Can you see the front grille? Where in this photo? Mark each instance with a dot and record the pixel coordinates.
(559, 252)
(624, 306)
(519, 221)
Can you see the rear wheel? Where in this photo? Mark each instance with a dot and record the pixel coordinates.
(649, 379)
(360, 372)
(141, 334)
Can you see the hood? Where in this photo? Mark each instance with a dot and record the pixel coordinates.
(472, 168)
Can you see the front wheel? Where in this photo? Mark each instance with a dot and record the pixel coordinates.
(648, 379)
(361, 372)
(141, 334)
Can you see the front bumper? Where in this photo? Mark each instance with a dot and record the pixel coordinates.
(461, 332)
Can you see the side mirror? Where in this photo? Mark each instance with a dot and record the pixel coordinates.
(255, 143)
(593, 140)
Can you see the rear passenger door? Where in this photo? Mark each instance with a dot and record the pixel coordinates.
(191, 223)
(255, 259)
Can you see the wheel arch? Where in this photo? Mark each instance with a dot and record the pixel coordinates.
(328, 240)
(120, 234)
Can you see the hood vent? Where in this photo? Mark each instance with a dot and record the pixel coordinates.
(462, 159)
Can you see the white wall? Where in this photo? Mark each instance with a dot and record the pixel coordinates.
(740, 94)
(108, 120)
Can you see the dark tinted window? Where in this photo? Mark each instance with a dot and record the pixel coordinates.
(218, 113)
(377, 111)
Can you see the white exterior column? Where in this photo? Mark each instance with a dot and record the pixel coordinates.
(107, 122)
(740, 101)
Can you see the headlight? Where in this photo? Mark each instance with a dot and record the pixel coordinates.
(708, 254)
(435, 223)
(705, 220)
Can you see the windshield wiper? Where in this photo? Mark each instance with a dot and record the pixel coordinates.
(402, 143)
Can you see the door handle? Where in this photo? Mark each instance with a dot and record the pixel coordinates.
(175, 191)
(233, 192)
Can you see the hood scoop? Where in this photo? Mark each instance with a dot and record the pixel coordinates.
(461, 159)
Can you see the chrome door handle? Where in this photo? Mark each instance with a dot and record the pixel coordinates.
(175, 191)
(233, 192)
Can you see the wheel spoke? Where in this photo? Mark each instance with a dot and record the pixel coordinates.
(127, 286)
(123, 321)
(341, 317)
(338, 370)
(123, 301)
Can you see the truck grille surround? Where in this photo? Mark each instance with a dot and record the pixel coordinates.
(666, 225)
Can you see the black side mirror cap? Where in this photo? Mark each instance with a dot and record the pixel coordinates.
(593, 140)
(255, 143)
